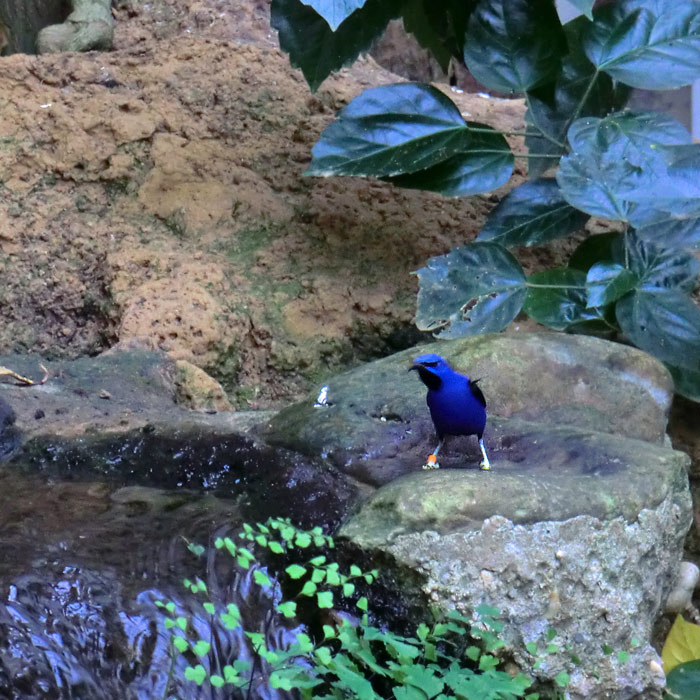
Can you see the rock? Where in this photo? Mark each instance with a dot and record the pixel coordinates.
(375, 425)
(198, 391)
(67, 430)
(580, 524)
(545, 473)
(589, 545)
(8, 435)
(681, 595)
(89, 26)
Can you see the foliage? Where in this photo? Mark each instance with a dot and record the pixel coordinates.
(452, 658)
(681, 657)
(637, 169)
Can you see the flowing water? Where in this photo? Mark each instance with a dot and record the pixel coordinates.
(81, 564)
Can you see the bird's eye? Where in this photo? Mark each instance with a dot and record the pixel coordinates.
(429, 364)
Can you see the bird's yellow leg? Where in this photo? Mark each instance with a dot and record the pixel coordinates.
(431, 462)
(485, 464)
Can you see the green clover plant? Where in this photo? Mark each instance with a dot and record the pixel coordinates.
(455, 657)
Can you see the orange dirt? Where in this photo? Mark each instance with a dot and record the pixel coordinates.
(155, 194)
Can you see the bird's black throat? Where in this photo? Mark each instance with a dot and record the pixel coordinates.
(432, 381)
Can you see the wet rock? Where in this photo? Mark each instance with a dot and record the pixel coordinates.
(374, 424)
(8, 435)
(116, 392)
(578, 527)
(139, 436)
(589, 546)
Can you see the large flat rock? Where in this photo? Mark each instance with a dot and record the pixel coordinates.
(543, 473)
(584, 535)
(375, 424)
(115, 418)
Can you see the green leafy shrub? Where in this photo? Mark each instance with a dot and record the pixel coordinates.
(639, 169)
(348, 657)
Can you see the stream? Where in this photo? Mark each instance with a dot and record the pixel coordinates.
(83, 562)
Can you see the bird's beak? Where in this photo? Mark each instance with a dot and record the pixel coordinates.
(413, 367)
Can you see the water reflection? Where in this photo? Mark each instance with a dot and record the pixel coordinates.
(80, 568)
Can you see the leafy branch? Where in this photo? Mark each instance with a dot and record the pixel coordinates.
(639, 169)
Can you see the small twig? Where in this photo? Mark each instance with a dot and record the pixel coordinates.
(24, 381)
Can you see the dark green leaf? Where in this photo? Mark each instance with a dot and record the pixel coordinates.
(478, 288)
(261, 578)
(288, 608)
(670, 212)
(562, 679)
(315, 48)
(358, 686)
(514, 45)
(485, 612)
(671, 230)
(657, 268)
(439, 27)
(546, 137)
(230, 674)
(391, 130)
(180, 643)
(485, 164)
(201, 648)
(648, 45)
(309, 588)
(579, 90)
(616, 158)
(559, 299)
(335, 12)
(687, 382)
(303, 540)
(533, 213)
(276, 547)
(472, 652)
(683, 682)
(664, 323)
(593, 249)
(607, 282)
(408, 692)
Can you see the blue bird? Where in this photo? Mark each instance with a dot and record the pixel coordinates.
(457, 405)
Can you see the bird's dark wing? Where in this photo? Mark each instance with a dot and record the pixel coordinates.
(476, 392)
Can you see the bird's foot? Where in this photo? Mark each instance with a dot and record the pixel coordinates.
(432, 463)
(485, 466)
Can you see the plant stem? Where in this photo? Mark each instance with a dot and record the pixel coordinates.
(535, 155)
(515, 155)
(478, 130)
(171, 671)
(582, 102)
(542, 133)
(554, 286)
